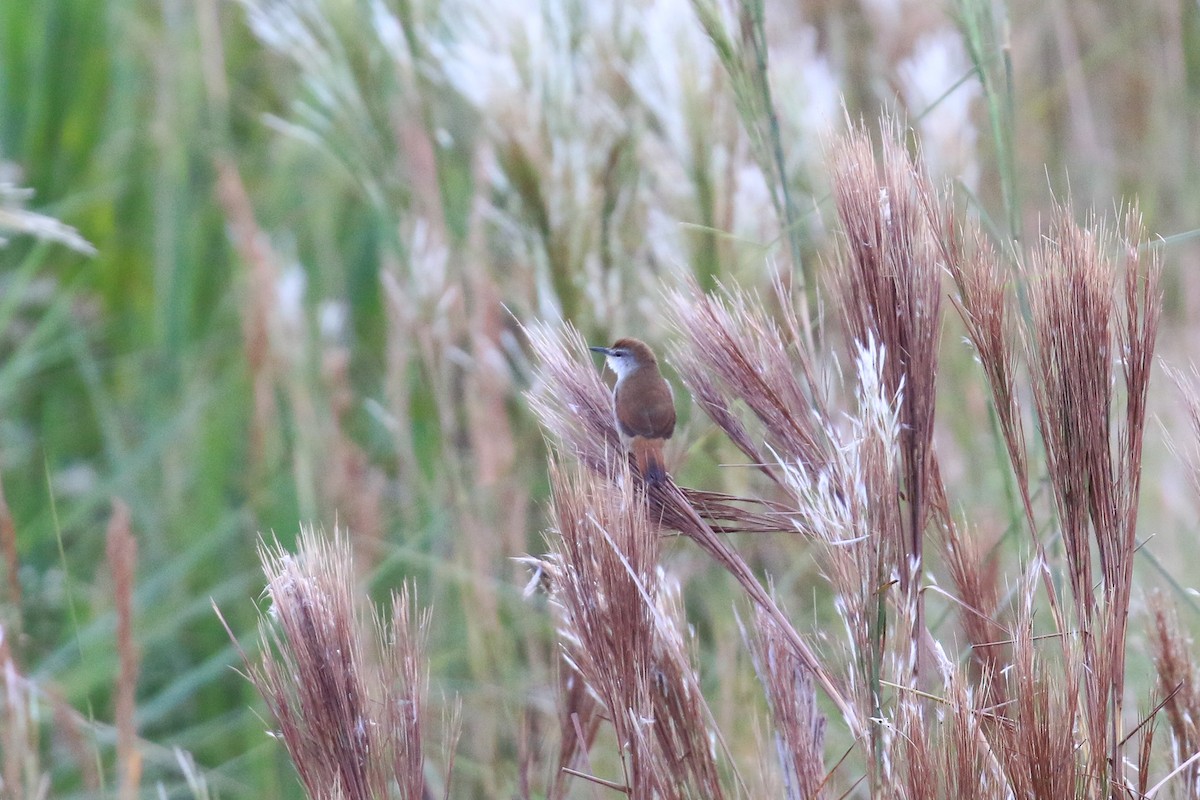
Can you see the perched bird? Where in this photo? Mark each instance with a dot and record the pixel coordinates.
(642, 404)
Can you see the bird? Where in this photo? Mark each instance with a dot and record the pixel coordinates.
(643, 405)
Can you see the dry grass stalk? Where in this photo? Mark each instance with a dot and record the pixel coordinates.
(867, 489)
(973, 571)
(401, 317)
(347, 695)
(1071, 295)
(668, 501)
(623, 642)
(121, 549)
(799, 725)
(23, 776)
(984, 304)
(263, 275)
(277, 338)
(1044, 723)
(496, 493)
(1145, 754)
(942, 751)
(911, 756)
(405, 684)
(1188, 385)
(279, 348)
(1094, 455)
(1179, 684)
(23, 706)
(579, 718)
(579, 713)
(23, 716)
(889, 290)
(78, 735)
(1173, 651)
(12, 575)
(351, 485)
(939, 747)
(731, 348)
(967, 763)
(850, 509)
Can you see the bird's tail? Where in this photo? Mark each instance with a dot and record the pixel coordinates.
(648, 456)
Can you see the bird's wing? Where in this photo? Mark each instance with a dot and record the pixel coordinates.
(654, 415)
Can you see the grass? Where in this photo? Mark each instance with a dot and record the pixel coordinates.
(294, 263)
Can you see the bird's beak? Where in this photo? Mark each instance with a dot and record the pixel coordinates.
(604, 350)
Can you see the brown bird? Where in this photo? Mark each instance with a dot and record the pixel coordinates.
(642, 404)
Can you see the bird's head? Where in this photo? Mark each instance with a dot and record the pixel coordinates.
(627, 355)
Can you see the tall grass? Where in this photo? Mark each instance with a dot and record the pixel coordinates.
(870, 489)
(322, 249)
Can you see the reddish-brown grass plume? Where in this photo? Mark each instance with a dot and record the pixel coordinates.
(984, 302)
(621, 634)
(1179, 685)
(888, 279)
(348, 694)
(1094, 453)
(732, 349)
